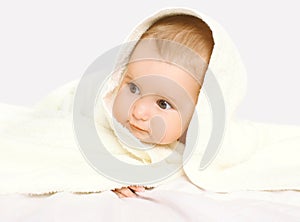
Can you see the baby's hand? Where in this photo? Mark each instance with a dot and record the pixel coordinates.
(128, 191)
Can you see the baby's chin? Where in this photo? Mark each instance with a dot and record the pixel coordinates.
(131, 135)
(151, 136)
(143, 137)
(149, 139)
(127, 138)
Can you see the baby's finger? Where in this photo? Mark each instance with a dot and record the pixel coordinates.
(120, 195)
(126, 192)
(137, 188)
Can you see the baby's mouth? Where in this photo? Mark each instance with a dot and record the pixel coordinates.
(136, 128)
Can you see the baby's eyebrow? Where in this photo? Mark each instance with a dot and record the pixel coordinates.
(128, 76)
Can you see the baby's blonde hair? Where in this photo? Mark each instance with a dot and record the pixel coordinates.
(189, 31)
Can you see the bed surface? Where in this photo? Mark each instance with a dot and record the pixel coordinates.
(178, 200)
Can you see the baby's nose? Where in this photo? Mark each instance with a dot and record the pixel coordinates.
(142, 109)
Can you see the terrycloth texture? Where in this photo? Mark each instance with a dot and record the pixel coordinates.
(253, 156)
(39, 152)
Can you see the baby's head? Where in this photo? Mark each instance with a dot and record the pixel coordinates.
(160, 86)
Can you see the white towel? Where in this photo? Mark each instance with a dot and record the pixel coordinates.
(39, 153)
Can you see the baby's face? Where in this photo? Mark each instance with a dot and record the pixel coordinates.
(156, 101)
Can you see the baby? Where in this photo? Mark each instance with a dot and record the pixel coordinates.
(160, 86)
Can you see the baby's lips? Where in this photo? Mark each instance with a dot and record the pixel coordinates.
(138, 128)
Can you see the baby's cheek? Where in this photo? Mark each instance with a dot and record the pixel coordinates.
(122, 105)
(173, 127)
(118, 110)
(158, 127)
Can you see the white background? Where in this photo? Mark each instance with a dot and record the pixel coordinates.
(44, 44)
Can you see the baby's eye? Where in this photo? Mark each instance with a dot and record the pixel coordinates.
(163, 104)
(133, 88)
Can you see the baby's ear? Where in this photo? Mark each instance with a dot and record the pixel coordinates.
(182, 139)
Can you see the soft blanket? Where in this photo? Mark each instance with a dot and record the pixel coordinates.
(39, 153)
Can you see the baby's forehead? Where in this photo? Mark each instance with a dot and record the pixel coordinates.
(152, 67)
(169, 54)
(163, 79)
